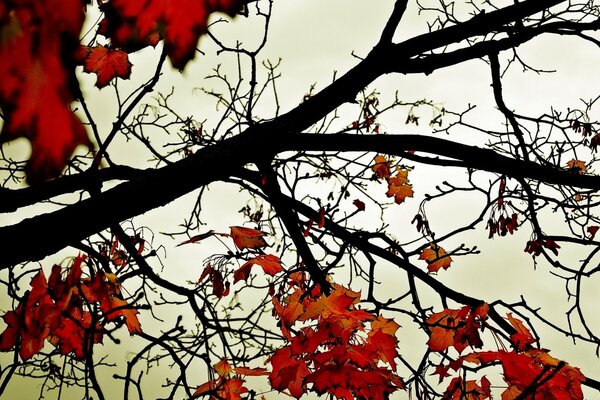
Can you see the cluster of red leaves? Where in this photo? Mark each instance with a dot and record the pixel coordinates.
(38, 40)
(460, 389)
(248, 239)
(529, 373)
(533, 374)
(456, 328)
(66, 312)
(226, 386)
(436, 258)
(398, 186)
(535, 246)
(39, 51)
(333, 350)
(134, 24)
(501, 221)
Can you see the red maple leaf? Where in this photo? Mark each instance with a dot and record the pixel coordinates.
(457, 328)
(247, 238)
(270, 264)
(219, 287)
(38, 82)
(288, 372)
(106, 63)
(552, 379)
(523, 337)
(134, 24)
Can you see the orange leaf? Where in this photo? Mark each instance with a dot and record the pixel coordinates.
(457, 328)
(247, 238)
(576, 166)
(223, 368)
(381, 167)
(106, 63)
(270, 264)
(398, 186)
(436, 258)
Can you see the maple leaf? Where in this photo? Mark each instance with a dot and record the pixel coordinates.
(270, 264)
(104, 290)
(457, 328)
(381, 167)
(436, 258)
(535, 246)
(115, 307)
(219, 288)
(553, 379)
(32, 320)
(460, 389)
(398, 186)
(38, 82)
(134, 24)
(223, 389)
(288, 372)
(576, 166)
(223, 368)
(247, 238)
(106, 63)
(198, 238)
(523, 337)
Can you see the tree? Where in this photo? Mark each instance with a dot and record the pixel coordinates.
(336, 276)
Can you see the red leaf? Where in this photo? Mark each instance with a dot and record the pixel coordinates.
(270, 264)
(251, 371)
(223, 368)
(106, 63)
(360, 206)
(38, 82)
(523, 337)
(288, 372)
(592, 230)
(247, 238)
(134, 24)
(321, 218)
(457, 328)
(198, 238)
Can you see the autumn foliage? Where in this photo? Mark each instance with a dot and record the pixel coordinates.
(286, 298)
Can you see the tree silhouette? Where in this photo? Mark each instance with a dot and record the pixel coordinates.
(340, 275)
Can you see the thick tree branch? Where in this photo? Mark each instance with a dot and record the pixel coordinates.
(51, 232)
